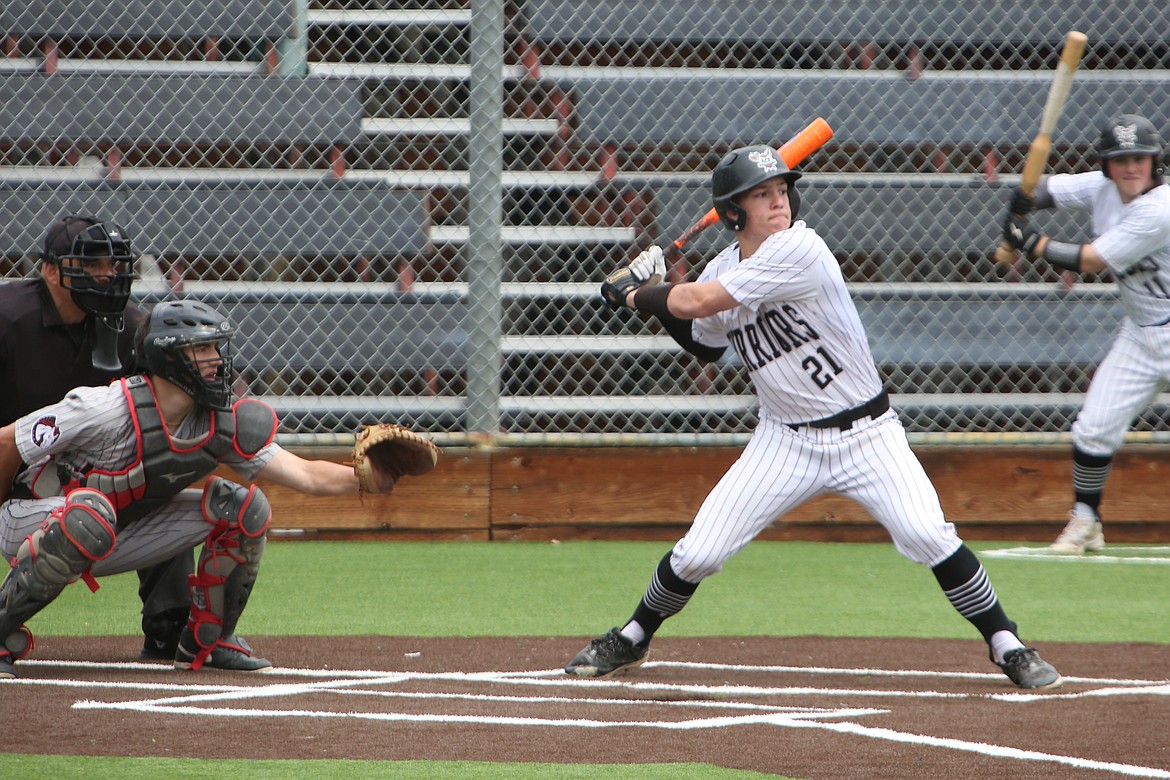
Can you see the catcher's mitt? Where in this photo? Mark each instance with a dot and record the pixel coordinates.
(386, 452)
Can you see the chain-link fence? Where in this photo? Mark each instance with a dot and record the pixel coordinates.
(408, 206)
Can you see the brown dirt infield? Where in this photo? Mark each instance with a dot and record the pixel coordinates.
(837, 712)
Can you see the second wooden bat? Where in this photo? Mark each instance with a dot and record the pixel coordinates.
(1070, 57)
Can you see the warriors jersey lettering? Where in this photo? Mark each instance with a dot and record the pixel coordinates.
(797, 329)
(1132, 238)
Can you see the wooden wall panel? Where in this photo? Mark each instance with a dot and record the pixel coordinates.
(1009, 492)
(454, 496)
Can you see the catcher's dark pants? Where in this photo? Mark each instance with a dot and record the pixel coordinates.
(166, 599)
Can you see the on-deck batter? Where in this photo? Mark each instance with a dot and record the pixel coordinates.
(778, 298)
(1129, 205)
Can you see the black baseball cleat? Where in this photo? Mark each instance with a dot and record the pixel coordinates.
(607, 654)
(232, 654)
(1027, 669)
(7, 667)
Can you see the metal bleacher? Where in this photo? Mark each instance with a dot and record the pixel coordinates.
(807, 22)
(914, 239)
(257, 20)
(585, 186)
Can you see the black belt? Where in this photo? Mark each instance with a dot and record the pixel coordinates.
(873, 408)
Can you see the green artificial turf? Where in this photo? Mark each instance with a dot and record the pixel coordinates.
(91, 768)
(583, 588)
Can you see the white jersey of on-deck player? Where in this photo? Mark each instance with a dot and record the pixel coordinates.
(796, 329)
(1132, 238)
(92, 428)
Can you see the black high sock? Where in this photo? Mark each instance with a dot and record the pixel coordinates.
(1089, 475)
(666, 595)
(965, 582)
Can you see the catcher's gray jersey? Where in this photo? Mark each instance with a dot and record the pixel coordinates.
(92, 427)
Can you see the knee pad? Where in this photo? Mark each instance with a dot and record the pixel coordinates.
(88, 520)
(72, 538)
(229, 506)
(61, 550)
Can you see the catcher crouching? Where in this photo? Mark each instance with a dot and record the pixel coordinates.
(96, 484)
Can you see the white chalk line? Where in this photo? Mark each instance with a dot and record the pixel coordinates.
(996, 751)
(557, 676)
(357, 683)
(1115, 555)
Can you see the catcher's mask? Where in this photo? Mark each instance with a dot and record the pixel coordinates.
(99, 280)
(1131, 135)
(742, 169)
(171, 332)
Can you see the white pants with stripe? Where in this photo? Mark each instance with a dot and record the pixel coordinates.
(1126, 382)
(175, 527)
(781, 468)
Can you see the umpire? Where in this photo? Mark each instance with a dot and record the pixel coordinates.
(72, 325)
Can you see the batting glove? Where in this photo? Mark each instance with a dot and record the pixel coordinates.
(1021, 203)
(649, 267)
(1018, 232)
(617, 286)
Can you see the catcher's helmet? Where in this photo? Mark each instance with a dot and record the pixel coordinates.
(739, 171)
(89, 240)
(1130, 135)
(175, 326)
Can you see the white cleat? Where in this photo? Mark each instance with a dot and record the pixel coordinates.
(1083, 532)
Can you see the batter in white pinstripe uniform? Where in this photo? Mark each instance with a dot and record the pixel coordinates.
(1129, 204)
(778, 298)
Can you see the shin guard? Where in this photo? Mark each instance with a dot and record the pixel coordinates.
(230, 562)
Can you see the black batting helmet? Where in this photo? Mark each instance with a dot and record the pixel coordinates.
(90, 240)
(739, 171)
(173, 327)
(1130, 135)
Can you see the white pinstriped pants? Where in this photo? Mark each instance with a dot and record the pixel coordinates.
(781, 468)
(1125, 383)
(173, 528)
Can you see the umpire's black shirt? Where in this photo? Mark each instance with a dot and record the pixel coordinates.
(42, 358)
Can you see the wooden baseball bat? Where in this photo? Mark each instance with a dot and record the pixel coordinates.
(1037, 159)
(793, 152)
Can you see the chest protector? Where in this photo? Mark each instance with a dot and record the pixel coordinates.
(164, 466)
